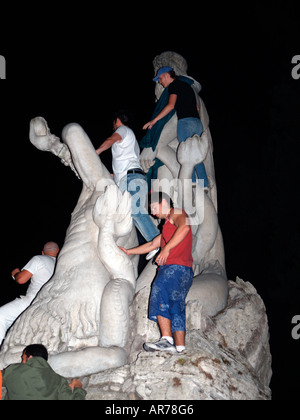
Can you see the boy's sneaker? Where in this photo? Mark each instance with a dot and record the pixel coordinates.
(160, 345)
(152, 254)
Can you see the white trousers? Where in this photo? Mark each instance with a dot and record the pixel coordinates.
(10, 312)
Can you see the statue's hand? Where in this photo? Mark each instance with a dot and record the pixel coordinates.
(66, 159)
(42, 139)
(147, 158)
(193, 150)
(113, 209)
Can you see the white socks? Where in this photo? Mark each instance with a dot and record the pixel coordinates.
(180, 349)
(169, 339)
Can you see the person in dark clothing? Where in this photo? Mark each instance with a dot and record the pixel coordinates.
(34, 379)
(181, 98)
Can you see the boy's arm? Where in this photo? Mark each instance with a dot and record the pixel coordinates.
(167, 109)
(145, 248)
(72, 391)
(21, 277)
(180, 221)
(108, 143)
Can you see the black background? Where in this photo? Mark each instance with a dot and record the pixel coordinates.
(83, 63)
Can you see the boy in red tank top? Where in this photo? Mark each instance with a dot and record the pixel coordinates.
(175, 274)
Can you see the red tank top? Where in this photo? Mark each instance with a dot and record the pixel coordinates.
(182, 253)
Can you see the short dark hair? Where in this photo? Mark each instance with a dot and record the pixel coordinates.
(123, 116)
(36, 350)
(158, 196)
(172, 74)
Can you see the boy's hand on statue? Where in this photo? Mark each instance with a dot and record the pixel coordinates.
(124, 250)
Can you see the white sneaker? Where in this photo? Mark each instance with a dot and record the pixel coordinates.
(160, 345)
(151, 254)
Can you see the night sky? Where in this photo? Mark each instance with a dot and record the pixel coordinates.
(83, 65)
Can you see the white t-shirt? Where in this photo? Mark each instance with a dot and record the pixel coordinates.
(125, 154)
(42, 268)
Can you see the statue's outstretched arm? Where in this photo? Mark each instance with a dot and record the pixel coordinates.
(112, 213)
(42, 139)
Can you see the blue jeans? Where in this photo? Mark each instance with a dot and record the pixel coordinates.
(136, 185)
(186, 128)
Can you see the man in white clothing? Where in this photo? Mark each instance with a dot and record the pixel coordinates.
(128, 173)
(39, 269)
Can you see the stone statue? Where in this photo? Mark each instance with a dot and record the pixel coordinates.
(82, 315)
(210, 286)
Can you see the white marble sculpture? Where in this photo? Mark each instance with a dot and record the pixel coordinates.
(82, 313)
(210, 285)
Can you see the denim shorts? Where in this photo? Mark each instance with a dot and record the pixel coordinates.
(188, 127)
(168, 294)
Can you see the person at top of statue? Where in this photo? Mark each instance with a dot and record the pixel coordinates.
(128, 173)
(182, 99)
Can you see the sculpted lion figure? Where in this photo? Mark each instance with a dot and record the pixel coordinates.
(82, 315)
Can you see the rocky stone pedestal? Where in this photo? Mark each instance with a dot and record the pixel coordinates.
(227, 357)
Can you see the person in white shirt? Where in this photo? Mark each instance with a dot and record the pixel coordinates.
(39, 269)
(128, 173)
